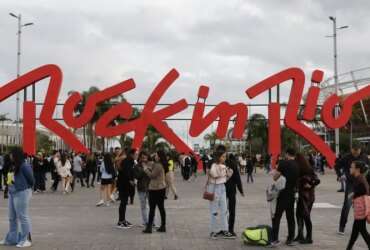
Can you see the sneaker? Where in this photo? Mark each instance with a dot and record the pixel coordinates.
(2, 243)
(26, 243)
(228, 235)
(233, 234)
(290, 243)
(107, 204)
(100, 203)
(128, 224)
(213, 236)
(112, 197)
(340, 232)
(274, 244)
(122, 225)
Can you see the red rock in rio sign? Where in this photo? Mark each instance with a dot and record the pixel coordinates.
(200, 121)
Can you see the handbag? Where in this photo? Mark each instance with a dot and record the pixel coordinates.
(210, 196)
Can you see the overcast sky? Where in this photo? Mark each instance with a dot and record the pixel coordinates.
(227, 45)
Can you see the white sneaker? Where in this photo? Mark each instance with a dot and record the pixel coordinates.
(27, 243)
(113, 197)
(2, 243)
(100, 203)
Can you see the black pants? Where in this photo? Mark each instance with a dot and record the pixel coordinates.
(122, 206)
(250, 176)
(231, 199)
(156, 198)
(39, 181)
(1, 179)
(359, 226)
(56, 179)
(303, 220)
(132, 193)
(284, 204)
(347, 203)
(88, 173)
(78, 175)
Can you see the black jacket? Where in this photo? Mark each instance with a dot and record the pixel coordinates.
(142, 178)
(125, 175)
(234, 181)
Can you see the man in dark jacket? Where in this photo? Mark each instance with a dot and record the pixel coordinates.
(231, 185)
(342, 169)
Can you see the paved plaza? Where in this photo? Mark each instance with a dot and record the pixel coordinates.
(73, 222)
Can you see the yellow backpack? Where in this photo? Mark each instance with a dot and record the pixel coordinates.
(260, 235)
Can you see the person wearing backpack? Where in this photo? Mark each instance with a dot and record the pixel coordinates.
(307, 182)
(360, 192)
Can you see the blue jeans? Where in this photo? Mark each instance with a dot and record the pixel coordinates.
(18, 211)
(218, 208)
(143, 196)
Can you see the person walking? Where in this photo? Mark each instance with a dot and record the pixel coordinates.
(360, 192)
(170, 178)
(78, 167)
(124, 184)
(307, 182)
(250, 168)
(20, 181)
(39, 165)
(342, 169)
(64, 171)
(107, 175)
(91, 169)
(231, 185)
(286, 199)
(1, 171)
(157, 190)
(217, 177)
(54, 170)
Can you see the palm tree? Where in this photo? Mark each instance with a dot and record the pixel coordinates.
(257, 133)
(211, 138)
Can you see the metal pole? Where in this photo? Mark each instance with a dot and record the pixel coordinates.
(18, 141)
(334, 19)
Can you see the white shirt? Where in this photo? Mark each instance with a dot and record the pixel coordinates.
(77, 164)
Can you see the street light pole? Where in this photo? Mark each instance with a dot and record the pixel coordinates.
(19, 18)
(334, 20)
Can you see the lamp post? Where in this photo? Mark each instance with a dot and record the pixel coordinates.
(20, 26)
(334, 20)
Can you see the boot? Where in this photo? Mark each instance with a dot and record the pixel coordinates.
(148, 229)
(162, 229)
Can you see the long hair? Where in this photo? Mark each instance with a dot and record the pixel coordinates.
(18, 159)
(108, 163)
(63, 159)
(304, 166)
(220, 150)
(163, 160)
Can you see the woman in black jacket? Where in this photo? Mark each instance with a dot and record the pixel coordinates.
(231, 185)
(125, 183)
(307, 182)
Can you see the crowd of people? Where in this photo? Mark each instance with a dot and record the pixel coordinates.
(123, 173)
